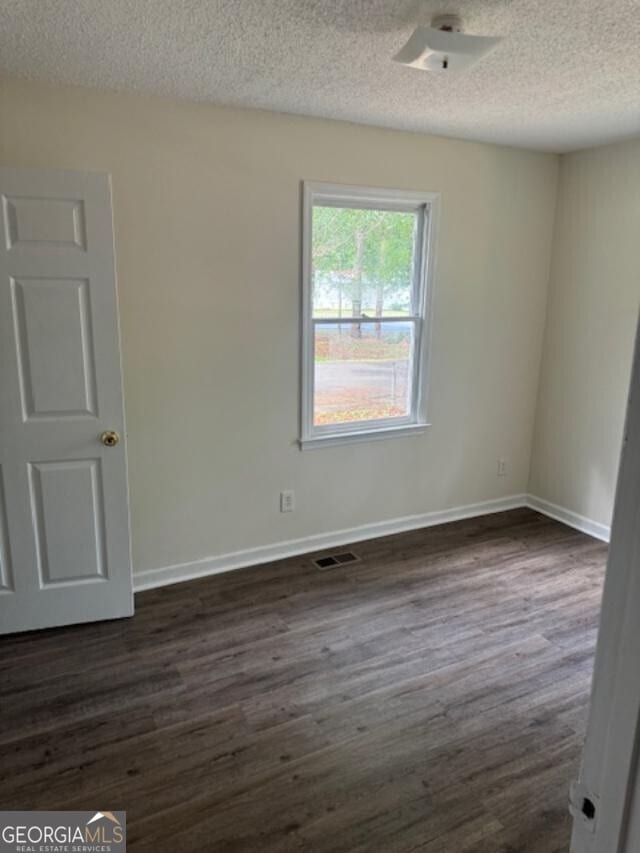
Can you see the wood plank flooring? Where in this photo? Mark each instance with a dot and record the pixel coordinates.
(431, 697)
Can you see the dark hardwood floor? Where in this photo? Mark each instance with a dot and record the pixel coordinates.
(431, 697)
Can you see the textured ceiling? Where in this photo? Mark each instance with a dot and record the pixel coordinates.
(566, 75)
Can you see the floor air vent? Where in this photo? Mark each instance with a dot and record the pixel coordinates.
(331, 561)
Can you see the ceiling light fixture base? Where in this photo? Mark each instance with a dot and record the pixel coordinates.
(443, 47)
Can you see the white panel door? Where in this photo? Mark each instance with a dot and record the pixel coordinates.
(610, 771)
(64, 517)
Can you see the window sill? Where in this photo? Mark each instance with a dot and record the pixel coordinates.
(317, 442)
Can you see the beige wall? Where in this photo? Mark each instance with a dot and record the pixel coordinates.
(591, 318)
(207, 219)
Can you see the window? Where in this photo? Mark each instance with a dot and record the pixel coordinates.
(366, 270)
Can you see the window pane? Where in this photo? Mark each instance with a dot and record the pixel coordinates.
(362, 371)
(362, 262)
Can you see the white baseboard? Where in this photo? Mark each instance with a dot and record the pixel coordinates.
(151, 578)
(567, 516)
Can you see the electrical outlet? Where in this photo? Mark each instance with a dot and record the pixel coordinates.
(287, 501)
(502, 467)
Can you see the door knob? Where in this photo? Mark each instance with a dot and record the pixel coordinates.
(110, 438)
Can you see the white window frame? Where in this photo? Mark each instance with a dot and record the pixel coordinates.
(426, 206)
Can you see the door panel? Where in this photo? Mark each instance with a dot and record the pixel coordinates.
(44, 222)
(55, 347)
(66, 497)
(6, 574)
(64, 520)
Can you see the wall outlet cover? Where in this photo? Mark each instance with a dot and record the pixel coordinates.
(287, 500)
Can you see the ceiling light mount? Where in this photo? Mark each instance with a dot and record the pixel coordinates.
(443, 46)
(447, 23)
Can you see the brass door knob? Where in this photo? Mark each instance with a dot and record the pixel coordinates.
(110, 438)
